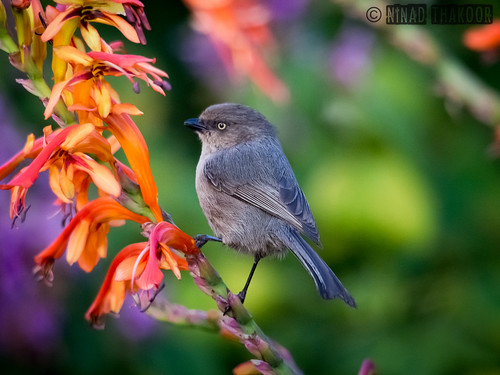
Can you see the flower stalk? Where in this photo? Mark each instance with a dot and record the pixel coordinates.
(37, 85)
(180, 315)
(236, 320)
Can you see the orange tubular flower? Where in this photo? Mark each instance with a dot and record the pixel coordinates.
(136, 151)
(113, 290)
(65, 157)
(85, 235)
(85, 12)
(89, 72)
(163, 236)
(18, 194)
(17, 204)
(137, 267)
(31, 149)
(78, 154)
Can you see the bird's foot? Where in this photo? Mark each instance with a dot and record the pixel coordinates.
(241, 296)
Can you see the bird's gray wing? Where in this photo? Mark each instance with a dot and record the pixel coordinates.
(294, 199)
(270, 186)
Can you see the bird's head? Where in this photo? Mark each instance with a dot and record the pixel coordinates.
(227, 125)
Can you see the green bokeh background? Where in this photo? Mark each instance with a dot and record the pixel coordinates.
(403, 185)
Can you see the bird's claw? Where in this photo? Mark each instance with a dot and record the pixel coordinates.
(241, 296)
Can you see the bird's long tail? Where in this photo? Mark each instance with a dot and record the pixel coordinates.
(328, 285)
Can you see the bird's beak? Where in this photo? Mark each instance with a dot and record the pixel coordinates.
(194, 123)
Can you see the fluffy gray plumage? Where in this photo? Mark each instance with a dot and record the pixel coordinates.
(250, 195)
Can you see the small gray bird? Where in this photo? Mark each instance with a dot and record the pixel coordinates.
(250, 196)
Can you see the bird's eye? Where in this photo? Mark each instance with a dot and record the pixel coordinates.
(221, 125)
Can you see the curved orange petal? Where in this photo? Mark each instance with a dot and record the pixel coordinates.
(162, 234)
(91, 36)
(136, 150)
(66, 182)
(97, 145)
(152, 276)
(78, 134)
(102, 209)
(101, 176)
(73, 55)
(127, 108)
(112, 292)
(102, 96)
(181, 263)
(126, 268)
(122, 25)
(172, 236)
(63, 38)
(55, 95)
(150, 69)
(31, 149)
(54, 178)
(77, 241)
(122, 61)
(57, 23)
(28, 176)
(82, 180)
(168, 261)
(95, 248)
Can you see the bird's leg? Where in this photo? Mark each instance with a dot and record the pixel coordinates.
(243, 293)
(202, 239)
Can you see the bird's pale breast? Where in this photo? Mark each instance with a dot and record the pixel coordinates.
(240, 225)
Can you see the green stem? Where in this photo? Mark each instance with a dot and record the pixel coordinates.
(6, 42)
(23, 61)
(43, 91)
(182, 316)
(237, 319)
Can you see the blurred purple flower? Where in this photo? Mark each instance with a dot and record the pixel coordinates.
(284, 10)
(367, 368)
(135, 325)
(198, 52)
(28, 321)
(350, 56)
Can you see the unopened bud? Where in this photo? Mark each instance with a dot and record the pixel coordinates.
(24, 25)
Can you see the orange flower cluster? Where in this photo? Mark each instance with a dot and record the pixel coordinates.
(239, 30)
(94, 124)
